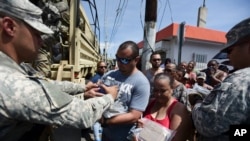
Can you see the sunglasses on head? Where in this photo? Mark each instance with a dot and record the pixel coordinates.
(124, 61)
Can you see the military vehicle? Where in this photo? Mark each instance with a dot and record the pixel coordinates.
(74, 48)
(72, 52)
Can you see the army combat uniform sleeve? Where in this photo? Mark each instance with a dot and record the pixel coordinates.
(65, 86)
(227, 104)
(69, 87)
(26, 99)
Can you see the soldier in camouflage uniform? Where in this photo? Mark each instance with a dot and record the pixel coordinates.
(229, 102)
(28, 100)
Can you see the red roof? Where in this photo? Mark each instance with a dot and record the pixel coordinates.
(191, 32)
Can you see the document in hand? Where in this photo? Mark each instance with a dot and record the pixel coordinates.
(153, 131)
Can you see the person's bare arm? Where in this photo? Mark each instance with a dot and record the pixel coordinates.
(131, 117)
(218, 77)
(181, 122)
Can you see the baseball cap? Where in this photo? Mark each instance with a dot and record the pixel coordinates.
(201, 75)
(237, 34)
(25, 11)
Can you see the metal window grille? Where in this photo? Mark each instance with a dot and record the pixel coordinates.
(201, 61)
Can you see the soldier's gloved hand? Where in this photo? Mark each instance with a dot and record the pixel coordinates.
(113, 90)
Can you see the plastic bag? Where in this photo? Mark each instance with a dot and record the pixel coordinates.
(152, 131)
(201, 90)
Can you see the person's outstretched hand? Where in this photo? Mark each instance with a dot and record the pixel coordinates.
(113, 90)
(91, 85)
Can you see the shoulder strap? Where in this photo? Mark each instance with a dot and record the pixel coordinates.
(171, 107)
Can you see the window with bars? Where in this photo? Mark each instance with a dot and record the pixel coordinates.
(201, 61)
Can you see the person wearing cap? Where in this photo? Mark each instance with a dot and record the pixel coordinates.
(228, 103)
(29, 101)
(201, 78)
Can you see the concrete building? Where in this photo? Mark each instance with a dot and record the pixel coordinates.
(200, 44)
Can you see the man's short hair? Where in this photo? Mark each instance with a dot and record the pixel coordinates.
(132, 45)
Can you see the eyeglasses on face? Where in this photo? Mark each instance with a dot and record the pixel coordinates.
(124, 61)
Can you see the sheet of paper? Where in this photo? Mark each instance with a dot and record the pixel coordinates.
(153, 131)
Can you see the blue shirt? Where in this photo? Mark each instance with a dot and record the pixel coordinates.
(134, 92)
(96, 77)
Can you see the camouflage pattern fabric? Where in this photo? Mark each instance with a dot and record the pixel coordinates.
(65, 86)
(180, 93)
(27, 99)
(227, 104)
(43, 62)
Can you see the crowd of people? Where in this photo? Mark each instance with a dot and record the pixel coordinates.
(197, 105)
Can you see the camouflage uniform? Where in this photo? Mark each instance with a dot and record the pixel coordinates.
(228, 104)
(180, 93)
(43, 62)
(27, 99)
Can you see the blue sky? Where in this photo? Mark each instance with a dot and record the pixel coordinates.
(221, 15)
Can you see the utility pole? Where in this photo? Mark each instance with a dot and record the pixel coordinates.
(181, 36)
(149, 33)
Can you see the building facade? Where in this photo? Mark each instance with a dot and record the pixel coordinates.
(199, 44)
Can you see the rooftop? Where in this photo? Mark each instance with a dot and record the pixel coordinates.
(191, 32)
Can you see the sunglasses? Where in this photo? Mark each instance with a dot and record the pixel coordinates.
(102, 67)
(124, 61)
(154, 60)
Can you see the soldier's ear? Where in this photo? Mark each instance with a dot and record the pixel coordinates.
(9, 25)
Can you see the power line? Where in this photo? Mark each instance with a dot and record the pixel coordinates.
(170, 9)
(105, 30)
(118, 19)
(163, 13)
